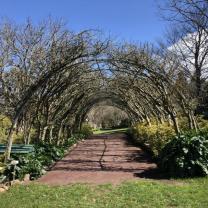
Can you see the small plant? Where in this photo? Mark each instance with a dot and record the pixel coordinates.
(36, 163)
(2, 167)
(185, 156)
(86, 130)
(155, 136)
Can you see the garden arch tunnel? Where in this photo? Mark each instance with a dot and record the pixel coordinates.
(74, 79)
(98, 98)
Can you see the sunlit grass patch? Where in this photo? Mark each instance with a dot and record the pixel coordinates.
(142, 193)
(110, 131)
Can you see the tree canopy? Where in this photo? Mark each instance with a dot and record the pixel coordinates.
(51, 77)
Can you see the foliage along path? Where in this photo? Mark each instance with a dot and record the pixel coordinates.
(100, 159)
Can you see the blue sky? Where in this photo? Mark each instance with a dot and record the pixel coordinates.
(131, 20)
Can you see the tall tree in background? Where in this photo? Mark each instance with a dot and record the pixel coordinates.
(188, 40)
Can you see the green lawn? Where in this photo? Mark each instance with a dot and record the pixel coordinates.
(188, 193)
(110, 131)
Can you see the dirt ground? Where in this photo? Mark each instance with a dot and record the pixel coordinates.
(101, 159)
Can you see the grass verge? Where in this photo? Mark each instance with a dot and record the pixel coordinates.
(190, 193)
(110, 131)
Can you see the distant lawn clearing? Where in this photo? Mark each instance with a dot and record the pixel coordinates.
(188, 193)
(110, 131)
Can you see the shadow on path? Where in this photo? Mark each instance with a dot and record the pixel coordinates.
(102, 159)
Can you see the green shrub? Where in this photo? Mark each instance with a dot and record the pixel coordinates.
(185, 156)
(28, 164)
(183, 123)
(86, 130)
(5, 124)
(73, 139)
(155, 136)
(203, 123)
(37, 162)
(48, 150)
(2, 167)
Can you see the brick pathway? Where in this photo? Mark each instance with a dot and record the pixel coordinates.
(100, 159)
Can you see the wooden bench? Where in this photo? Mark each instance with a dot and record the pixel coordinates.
(18, 148)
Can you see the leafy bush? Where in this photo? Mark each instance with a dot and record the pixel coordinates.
(86, 130)
(185, 156)
(203, 123)
(155, 136)
(5, 124)
(44, 151)
(37, 163)
(27, 164)
(2, 167)
(32, 166)
(183, 123)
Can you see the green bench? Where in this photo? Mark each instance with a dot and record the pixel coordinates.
(18, 148)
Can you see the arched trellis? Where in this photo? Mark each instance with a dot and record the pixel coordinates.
(84, 72)
(95, 99)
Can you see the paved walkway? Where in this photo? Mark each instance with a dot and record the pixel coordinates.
(100, 159)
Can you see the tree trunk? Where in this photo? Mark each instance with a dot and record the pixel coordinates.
(148, 120)
(59, 133)
(175, 122)
(51, 134)
(190, 115)
(28, 137)
(44, 133)
(161, 119)
(10, 139)
(193, 120)
(169, 120)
